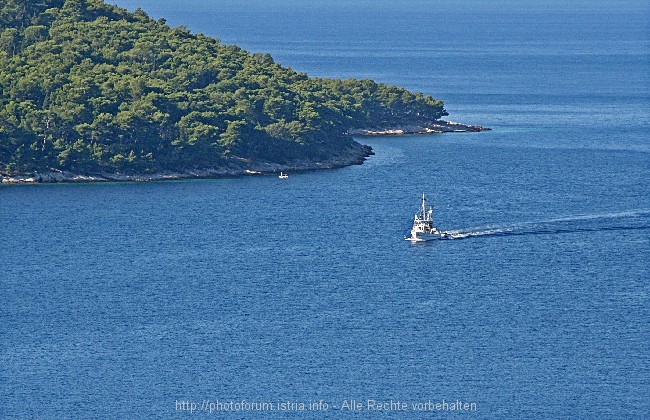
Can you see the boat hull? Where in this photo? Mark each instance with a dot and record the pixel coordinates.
(425, 237)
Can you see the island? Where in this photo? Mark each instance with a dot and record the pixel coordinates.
(92, 92)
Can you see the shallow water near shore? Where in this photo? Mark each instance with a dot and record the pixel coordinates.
(123, 299)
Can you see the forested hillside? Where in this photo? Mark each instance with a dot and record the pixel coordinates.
(89, 87)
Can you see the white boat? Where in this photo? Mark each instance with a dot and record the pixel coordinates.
(423, 228)
(283, 175)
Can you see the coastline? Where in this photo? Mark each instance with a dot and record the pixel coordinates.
(419, 126)
(354, 155)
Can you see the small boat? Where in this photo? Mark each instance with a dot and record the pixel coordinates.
(423, 228)
(283, 175)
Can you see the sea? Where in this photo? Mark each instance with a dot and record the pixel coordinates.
(260, 297)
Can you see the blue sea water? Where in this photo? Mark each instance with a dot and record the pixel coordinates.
(137, 300)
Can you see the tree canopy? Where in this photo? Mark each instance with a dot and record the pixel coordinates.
(87, 87)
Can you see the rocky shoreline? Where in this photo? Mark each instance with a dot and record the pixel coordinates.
(419, 127)
(355, 155)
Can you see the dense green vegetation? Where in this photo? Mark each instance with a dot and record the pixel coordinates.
(89, 87)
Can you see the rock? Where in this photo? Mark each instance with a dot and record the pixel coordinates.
(419, 126)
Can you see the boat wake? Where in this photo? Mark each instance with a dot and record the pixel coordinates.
(631, 220)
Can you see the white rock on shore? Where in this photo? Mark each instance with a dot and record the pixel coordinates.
(418, 127)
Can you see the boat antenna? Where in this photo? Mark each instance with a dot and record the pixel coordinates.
(424, 205)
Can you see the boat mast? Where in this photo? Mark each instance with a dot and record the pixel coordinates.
(424, 206)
